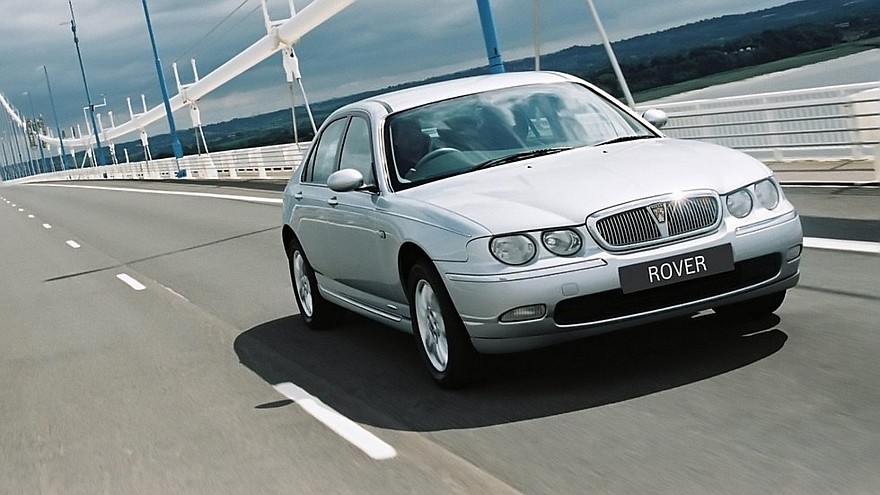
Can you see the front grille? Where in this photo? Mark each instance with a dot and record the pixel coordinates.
(629, 227)
(614, 304)
(691, 214)
(658, 222)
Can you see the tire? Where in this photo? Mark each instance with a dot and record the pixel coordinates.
(442, 342)
(315, 311)
(753, 308)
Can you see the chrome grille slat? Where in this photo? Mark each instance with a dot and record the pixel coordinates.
(628, 227)
(637, 227)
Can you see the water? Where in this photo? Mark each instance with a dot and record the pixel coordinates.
(858, 68)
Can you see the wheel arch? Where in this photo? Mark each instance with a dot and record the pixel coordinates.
(409, 254)
(287, 236)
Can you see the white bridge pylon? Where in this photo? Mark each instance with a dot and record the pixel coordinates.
(282, 35)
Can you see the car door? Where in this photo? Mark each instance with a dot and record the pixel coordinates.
(312, 212)
(357, 230)
(343, 233)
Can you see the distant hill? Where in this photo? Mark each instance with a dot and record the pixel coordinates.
(649, 61)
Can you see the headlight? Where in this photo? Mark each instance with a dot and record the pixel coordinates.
(513, 249)
(562, 242)
(767, 194)
(739, 203)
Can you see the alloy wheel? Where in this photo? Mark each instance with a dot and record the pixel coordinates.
(432, 328)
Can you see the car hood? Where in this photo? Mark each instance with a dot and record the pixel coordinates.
(564, 188)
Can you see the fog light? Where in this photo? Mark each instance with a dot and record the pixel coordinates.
(793, 252)
(524, 313)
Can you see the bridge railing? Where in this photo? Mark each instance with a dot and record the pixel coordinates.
(267, 162)
(834, 124)
(830, 123)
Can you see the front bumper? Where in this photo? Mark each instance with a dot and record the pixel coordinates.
(583, 297)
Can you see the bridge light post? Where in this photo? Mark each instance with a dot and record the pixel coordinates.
(175, 141)
(57, 125)
(537, 28)
(100, 155)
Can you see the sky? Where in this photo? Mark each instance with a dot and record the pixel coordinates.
(369, 45)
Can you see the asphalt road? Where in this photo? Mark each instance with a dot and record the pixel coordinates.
(149, 344)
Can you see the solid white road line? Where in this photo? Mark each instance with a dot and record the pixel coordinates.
(73, 244)
(251, 199)
(821, 185)
(134, 284)
(842, 245)
(344, 427)
(810, 242)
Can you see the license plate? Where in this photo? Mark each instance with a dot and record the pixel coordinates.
(674, 269)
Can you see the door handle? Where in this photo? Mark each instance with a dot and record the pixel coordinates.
(333, 201)
(298, 196)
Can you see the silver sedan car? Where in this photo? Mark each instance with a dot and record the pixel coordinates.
(511, 211)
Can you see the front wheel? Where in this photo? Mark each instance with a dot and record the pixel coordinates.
(753, 308)
(441, 339)
(314, 309)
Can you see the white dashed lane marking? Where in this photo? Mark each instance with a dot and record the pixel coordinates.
(372, 445)
(131, 282)
(73, 244)
(236, 197)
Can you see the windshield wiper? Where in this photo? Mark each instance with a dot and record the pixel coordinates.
(521, 155)
(620, 139)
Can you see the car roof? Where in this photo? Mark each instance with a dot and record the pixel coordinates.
(404, 99)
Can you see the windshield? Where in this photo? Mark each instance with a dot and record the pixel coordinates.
(472, 132)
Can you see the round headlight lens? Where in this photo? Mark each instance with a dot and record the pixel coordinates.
(739, 203)
(767, 194)
(513, 249)
(562, 242)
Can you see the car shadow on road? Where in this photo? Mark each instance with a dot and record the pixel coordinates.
(372, 375)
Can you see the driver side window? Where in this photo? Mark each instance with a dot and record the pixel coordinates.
(356, 151)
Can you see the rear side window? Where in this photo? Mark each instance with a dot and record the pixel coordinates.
(327, 153)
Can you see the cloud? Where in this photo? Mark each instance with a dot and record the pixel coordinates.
(369, 45)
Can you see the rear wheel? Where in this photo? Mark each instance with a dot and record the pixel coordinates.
(314, 309)
(753, 308)
(441, 339)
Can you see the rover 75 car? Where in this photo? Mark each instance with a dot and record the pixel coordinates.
(507, 212)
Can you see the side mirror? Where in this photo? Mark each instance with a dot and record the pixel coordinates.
(347, 179)
(656, 117)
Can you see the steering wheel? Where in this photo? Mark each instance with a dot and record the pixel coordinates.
(434, 154)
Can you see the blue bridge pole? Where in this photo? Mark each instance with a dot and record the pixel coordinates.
(496, 65)
(175, 141)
